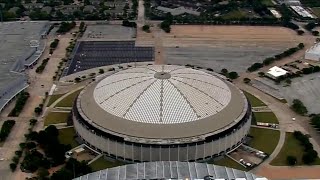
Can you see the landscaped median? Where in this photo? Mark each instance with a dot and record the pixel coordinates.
(254, 101)
(263, 139)
(56, 118)
(68, 101)
(266, 117)
(102, 163)
(53, 98)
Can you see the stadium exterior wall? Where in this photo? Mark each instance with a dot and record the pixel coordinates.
(118, 148)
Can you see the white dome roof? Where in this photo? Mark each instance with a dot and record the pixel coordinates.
(162, 94)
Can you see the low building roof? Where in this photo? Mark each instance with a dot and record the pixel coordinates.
(277, 72)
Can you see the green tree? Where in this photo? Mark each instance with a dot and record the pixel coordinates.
(298, 107)
(224, 71)
(13, 166)
(101, 71)
(291, 160)
(146, 28)
(233, 75)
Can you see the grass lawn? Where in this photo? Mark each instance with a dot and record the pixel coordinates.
(267, 2)
(235, 14)
(264, 140)
(55, 118)
(316, 11)
(66, 136)
(254, 101)
(291, 147)
(53, 98)
(228, 163)
(68, 101)
(102, 163)
(266, 117)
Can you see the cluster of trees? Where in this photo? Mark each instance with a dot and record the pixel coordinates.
(231, 75)
(128, 23)
(42, 66)
(310, 155)
(277, 57)
(38, 110)
(21, 101)
(66, 27)
(165, 25)
(147, 8)
(6, 129)
(18, 153)
(54, 152)
(298, 107)
(315, 121)
(311, 69)
(82, 27)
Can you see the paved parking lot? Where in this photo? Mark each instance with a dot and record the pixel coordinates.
(91, 54)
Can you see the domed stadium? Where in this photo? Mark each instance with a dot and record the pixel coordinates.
(162, 113)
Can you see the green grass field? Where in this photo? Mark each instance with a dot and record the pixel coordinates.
(56, 118)
(264, 140)
(53, 98)
(66, 136)
(235, 14)
(68, 101)
(266, 117)
(291, 147)
(267, 3)
(255, 102)
(102, 163)
(228, 163)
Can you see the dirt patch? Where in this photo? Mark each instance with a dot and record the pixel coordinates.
(302, 172)
(249, 34)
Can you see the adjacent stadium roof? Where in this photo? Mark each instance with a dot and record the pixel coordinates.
(170, 170)
(147, 99)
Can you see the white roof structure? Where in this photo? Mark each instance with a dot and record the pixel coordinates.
(170, 170)
(313, 53)
(302, 12)
(275, 13)
(162, 94)
(277, 72)
(178, 11)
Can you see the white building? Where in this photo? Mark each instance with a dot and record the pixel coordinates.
(275, 72)
(313, 53)
(302, 12)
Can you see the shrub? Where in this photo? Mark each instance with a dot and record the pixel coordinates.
(300, 32)
(315, 33)
(6, 129)
(246, 80)
(146, 28)
(101, 71)
(255, 67)
(77, 79)
(291, 160)
(33, 122)
(21, 101)
(209, 69)
(13, 166)
(54, 44)
(66, 26)
(224, 71)
(233, 75)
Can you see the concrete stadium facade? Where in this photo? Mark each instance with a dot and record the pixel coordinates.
(132, 138)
